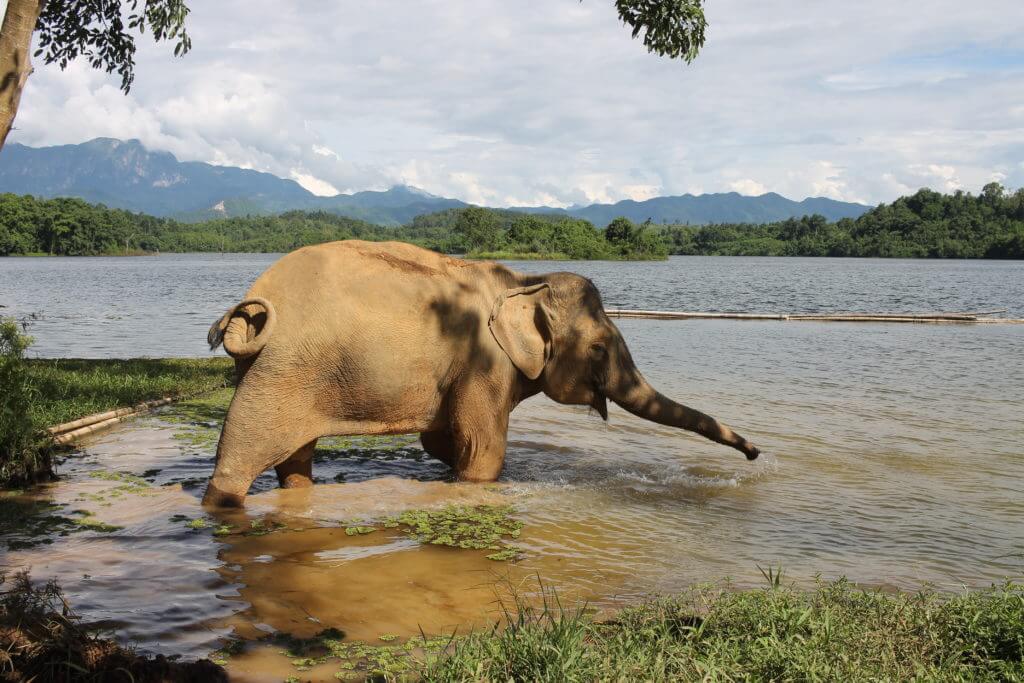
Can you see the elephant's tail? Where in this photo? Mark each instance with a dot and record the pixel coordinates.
(245, 328)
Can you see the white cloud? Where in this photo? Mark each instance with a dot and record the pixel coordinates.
(748, 187)
(539, 102)
(314, 184)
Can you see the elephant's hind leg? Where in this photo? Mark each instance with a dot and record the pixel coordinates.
(297, 471)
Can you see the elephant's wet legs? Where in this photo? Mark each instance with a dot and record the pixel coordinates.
(440, 445)
(297, 471)
(479, 432)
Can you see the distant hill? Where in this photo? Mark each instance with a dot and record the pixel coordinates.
(124, 174)
(727, 207)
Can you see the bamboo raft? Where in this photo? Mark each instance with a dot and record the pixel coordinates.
(959, 317)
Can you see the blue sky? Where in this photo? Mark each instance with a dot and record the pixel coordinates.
(551, 102)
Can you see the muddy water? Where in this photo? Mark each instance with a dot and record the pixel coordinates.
(893, 457)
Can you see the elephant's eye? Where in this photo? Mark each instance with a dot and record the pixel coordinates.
(598, 351)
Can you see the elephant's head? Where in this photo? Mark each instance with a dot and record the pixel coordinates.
(556, 332)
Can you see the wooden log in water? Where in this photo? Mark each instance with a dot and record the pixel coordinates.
(69, 431)
(74, 434)
(967, 318)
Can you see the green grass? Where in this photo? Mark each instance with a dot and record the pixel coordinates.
(836, 632)
(72, 388)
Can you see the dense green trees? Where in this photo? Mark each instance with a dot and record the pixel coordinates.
(926, 224)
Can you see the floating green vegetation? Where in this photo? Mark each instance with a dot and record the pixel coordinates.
(262, 527)
(359, 530)
(27, 523)
(201, 523)
(376, 442)
(480, 527)
(230, 648)
(88, 521)
(355, 660)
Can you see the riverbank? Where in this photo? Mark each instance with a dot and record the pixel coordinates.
(41, 393)
(69, 388)
(836, 631)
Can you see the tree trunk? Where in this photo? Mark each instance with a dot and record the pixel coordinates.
(15, 64)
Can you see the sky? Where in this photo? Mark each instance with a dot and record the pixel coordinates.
(531, 102)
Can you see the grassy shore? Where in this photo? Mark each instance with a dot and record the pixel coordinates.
(836, 632)
(40, 393)
(70, 388)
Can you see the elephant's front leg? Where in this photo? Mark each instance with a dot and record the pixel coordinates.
(479, 431)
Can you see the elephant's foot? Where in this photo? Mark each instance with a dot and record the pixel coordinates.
(478, 477)
(290, 478)
(218, 497)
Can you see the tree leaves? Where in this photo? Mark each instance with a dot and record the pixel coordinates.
(96, 30)
(670, 28)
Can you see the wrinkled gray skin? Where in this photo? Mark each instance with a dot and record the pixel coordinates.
(386, 338)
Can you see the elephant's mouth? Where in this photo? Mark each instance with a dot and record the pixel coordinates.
(600, 404)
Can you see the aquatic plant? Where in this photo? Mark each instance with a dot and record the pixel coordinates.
(26, 522)
(480, 527)
(262, 527)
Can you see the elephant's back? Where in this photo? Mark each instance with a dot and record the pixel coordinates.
(378, 289)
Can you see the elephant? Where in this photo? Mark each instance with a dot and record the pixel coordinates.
(355, 337)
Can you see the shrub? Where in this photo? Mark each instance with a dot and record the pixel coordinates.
(24, 455)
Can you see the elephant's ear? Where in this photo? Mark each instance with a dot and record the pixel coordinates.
(521, 324)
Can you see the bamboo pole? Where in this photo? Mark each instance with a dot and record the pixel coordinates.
(76, 434)
(963, 318)
(90, 424)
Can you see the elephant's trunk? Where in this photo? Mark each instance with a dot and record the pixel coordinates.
(637, 396)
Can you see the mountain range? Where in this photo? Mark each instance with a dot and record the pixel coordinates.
(124, 174)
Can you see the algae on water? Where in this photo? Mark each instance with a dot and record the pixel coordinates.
(480, 527)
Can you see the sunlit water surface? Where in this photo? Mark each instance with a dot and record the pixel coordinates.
(893, 457)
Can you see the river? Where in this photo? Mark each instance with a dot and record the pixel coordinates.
(893, 455)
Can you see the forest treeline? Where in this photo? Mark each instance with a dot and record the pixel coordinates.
(72, 227)
(926, 224)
